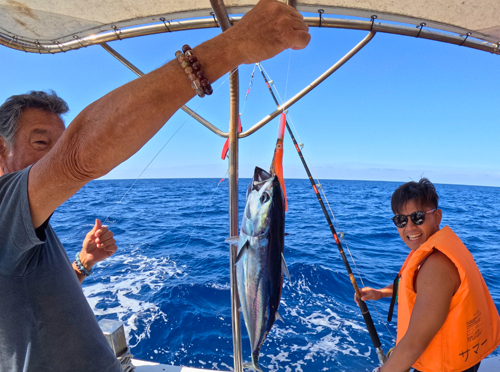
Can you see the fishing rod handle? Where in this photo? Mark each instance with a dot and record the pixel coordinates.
(369, 324)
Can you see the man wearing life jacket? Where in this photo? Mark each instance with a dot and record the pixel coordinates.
(447, 321)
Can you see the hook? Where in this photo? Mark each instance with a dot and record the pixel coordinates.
(320, 12)
(466, 36)
(215, 19)
(117, 32)
(165, 23)
(373, 18)
(421, 26)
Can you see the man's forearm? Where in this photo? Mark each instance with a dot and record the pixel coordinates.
(116, 126)
(120, 123)
(79, 275)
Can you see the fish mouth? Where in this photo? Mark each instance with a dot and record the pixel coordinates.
(259, 180)
(260, 176)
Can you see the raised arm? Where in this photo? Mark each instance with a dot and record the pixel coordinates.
(113, 128)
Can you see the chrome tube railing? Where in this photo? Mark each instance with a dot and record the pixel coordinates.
(468, 41)
(225, 23)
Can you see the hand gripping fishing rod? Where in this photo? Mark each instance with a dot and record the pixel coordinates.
(362, 305)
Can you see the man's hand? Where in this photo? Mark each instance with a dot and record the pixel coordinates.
(368, 293)
(98, 245)
(268, 29)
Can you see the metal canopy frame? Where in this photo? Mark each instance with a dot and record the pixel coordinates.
(421, 31)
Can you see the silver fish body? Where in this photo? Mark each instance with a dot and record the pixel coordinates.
(260, 263)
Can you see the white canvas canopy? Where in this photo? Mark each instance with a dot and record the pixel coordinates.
(46, 25)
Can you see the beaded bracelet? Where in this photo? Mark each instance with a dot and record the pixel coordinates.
(80, 267)
(194, 72)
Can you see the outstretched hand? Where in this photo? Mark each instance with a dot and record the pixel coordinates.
(268, 29)
(98, 245)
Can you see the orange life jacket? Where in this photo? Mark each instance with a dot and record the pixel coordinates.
(472, 329)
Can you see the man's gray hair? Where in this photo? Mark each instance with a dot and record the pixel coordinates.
(14, 106)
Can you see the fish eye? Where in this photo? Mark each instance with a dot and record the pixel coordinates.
(264, 198)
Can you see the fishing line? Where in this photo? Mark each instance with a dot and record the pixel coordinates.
(204, 208)
(363, 306)
(161, 149)
(381, 318)
(250, 84)
(288, 70)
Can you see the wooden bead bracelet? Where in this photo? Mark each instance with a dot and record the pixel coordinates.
(194, 72)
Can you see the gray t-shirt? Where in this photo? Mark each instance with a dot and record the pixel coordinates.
(46, 324)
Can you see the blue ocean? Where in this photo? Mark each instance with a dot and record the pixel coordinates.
(169, 281)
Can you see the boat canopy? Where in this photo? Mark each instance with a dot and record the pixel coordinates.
(50, 26)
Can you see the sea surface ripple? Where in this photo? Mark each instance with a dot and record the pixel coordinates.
(169, 281)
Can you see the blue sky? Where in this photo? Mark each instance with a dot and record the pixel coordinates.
(400, 109)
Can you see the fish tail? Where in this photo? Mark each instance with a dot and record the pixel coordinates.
(255, 361)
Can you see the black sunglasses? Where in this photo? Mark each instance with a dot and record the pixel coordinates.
(418, 218)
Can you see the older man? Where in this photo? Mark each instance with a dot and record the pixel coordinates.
(45, 322)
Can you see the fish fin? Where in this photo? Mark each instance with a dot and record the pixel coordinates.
(284, 268)
(286, 234)
(242, 251)
(240, 310)
(278, 317)
(233, 240)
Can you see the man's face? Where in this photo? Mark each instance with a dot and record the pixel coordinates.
(416, 235)
(37, 133)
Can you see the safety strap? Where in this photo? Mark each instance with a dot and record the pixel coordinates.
(395, 284)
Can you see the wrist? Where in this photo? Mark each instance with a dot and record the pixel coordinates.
(80, 267)
(219, 55)
(87, 264)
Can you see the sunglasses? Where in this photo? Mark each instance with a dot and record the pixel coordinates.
(418, 218)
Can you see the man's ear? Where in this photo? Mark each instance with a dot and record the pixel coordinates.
(4, 151)
(438, 216)
(3, 148)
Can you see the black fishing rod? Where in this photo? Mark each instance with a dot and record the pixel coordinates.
(362, 305)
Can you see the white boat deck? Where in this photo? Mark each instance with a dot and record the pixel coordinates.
(143, 366)
(488, 365)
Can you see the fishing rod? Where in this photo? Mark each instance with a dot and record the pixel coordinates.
(362, 305)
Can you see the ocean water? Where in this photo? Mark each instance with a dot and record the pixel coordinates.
(169, 281)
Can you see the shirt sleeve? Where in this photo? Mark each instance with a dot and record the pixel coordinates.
(17, 234)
